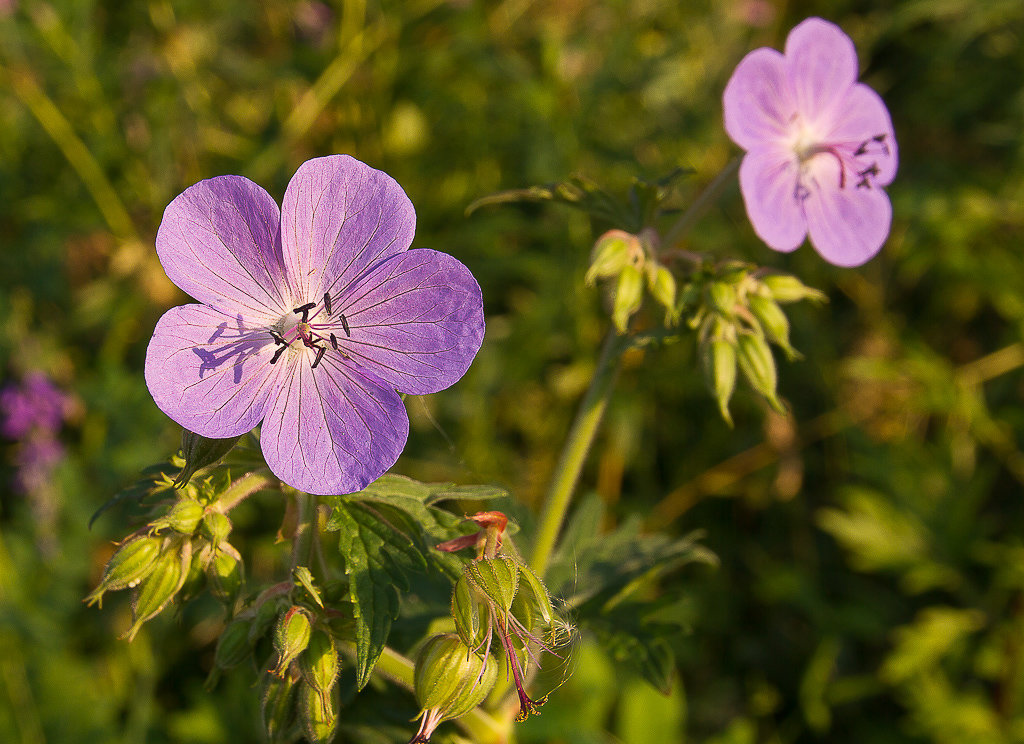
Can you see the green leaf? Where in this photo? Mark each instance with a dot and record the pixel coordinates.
(377, 558)
(155, 480)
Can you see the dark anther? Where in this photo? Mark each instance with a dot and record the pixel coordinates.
(278, 338)
(327, 302)
(334, 341)
(863, 183)
(278, 353)
(871, 170)
(304, 310)
(344, 324)
(862, 149)
(801, 192)
(319, 355)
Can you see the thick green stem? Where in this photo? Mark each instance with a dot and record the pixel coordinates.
(243, 488)
(577, 447)
(305, 529)
(700, 204)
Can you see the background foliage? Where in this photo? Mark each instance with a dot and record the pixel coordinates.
(870, 584)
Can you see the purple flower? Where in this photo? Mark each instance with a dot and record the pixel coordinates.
(820, 146)
(311, 318)
(34, 405)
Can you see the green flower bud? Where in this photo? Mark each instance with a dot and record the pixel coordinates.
(233, 646)
(195, 577)
(758, 365)
(470, 615)
(451, 678)
(199, 452)
(216, 527)
(719, 358)
(160, 586)
(721, 297)
(663, 289)
(319, 714)
(278, 704)
(291, 636)
(774, 322)
(629, 295)
(613, 251)
(496, 578)
(786, 289)
(319, 663)
(533, 600)
(183, 517)
(131, 563)
(225, 573)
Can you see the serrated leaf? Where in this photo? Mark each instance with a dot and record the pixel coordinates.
(377, 559)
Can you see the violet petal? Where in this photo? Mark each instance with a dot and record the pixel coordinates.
(218, 241)
(860, 117)
(211, 372)
(847, 226)
(822, 65)
(416, 320)
(768, 181)
(333, 433)
(339, 216)
(758, 103)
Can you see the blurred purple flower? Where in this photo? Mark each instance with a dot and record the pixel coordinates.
(311, 318)
(820, 146)
(36, 404)
(36, 459)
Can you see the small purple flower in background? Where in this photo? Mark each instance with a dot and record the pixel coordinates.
(820, 146)
(312, 317)
(34, 405)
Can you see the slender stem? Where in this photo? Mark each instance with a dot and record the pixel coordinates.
(305, 529)
(242, 489)
(577, 447)
(700, 204)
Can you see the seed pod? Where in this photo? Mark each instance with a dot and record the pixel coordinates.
(719, 358)
(450, 677)
(496, 578)
(319, 714)
(216, 527)
(278, 704)
(131, 563)
(758, 365)
(785, 289)
(721, 297)
(291, 636)
(534, 598)
(774, 322)
(629, 295)
(319, 663)
(160, 586)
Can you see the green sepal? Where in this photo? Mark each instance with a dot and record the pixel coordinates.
(497, 579)
(291, 636)
(470, 616)
(199, 452)
(758, 366)
(774, 323)
(629, 295)
(160, 586)
(719, 358)
(278, 705)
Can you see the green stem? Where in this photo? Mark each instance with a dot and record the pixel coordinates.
(574, 453)
(305, 529)
(700, 204)
(243, 488)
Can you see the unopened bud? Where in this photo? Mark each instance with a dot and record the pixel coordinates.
(291, 636)
(160, 586)
(496, 578)
(225, 573)
(663, 289)
(470, 615)
(233, 646)
(785, 289)
(613, 251)
(629, 295)
(216, 527)
(319, 663)
(451, 678)
(721, 297)
(774, 322)
(532, 602)
(758, 365)
(719, 358)
(195, 577)
(183, 517)
(131, 563)
(199, 452)
(319, 714)
(278, 704)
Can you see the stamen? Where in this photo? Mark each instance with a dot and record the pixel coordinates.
(344, 324)
(327, 302)
(319, 355)
(278, 353)
(304, 310)
(278, 338)
(334, 341)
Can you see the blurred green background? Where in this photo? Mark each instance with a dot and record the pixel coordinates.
(871, 586)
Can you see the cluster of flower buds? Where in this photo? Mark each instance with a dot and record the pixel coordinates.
(175, 555)
(450, 680)
(631, 262)
(737, 314)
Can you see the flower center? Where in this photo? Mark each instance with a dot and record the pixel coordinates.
(860, 159)
(302, 326)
